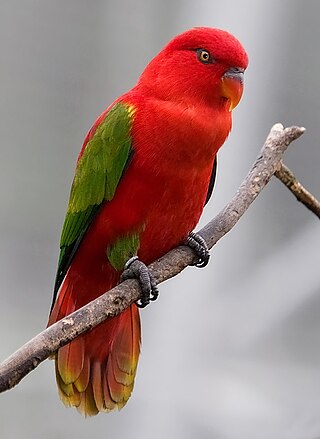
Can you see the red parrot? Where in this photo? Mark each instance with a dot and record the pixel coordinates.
(144, 173)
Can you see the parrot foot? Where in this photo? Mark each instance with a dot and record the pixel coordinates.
(136, 269)
(199, 246)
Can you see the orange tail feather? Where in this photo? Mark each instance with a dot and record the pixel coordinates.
(96, 371)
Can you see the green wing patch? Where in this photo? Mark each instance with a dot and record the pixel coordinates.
(123, 249)
(97, 175)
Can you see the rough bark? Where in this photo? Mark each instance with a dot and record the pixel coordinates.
(293, 184)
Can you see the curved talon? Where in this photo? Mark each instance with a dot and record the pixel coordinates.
(136, 269)
(154, 291)
(200, 248)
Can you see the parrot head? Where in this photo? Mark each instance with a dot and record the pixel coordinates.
(201, 64)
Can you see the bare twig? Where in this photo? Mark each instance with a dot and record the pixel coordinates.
(289, 179)
(119, 298)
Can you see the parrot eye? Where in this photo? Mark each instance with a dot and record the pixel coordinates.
(204, 56)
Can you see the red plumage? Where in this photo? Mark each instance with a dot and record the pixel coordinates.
(181, 119)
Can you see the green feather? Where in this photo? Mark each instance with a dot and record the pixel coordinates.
(97, 176)
(123, 249)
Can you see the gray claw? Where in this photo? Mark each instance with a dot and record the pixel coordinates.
(200, 248)
(136, 269)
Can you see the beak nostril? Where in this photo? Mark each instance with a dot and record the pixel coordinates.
(235, 73)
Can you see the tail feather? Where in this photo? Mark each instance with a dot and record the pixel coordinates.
(81, 383)
(108, 401)
(96, 371)
(119, 393)
(67, 392)
(127, 343)
(88, 406)
(70, 359)
(98, 384)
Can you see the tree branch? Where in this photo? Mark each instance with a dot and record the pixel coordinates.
(288, 178)
(112, 303)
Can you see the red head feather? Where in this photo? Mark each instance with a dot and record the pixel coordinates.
(178, 73)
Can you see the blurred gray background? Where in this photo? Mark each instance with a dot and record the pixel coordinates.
(229, 352)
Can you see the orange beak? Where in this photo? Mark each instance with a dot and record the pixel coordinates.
(232, 86)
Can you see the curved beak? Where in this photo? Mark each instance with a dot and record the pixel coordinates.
(232, 86)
